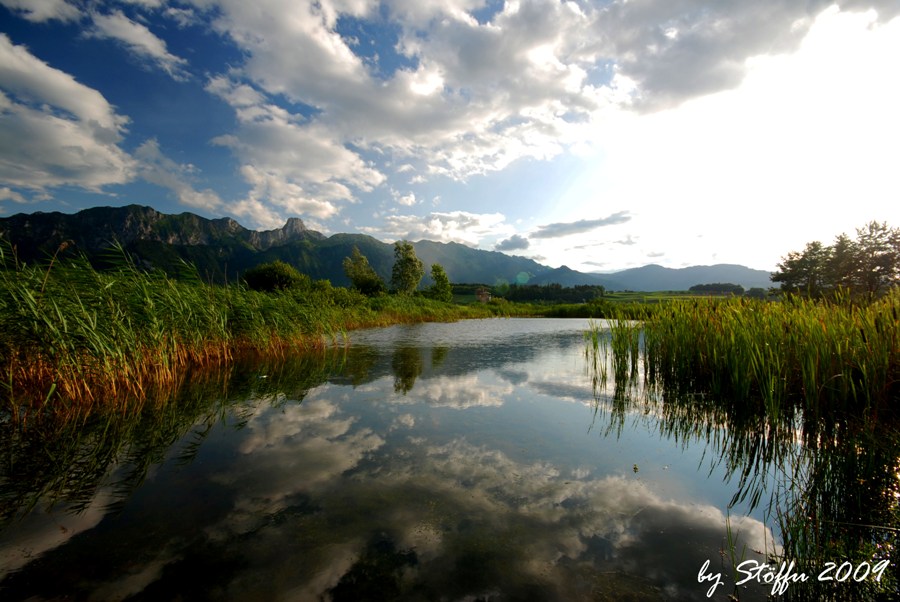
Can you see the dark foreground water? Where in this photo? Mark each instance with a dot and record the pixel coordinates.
(469, 461)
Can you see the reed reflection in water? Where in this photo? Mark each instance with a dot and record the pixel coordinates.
(827, 477)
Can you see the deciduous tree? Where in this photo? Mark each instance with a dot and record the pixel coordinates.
(363, 276)
(408, 269)
(867, 266)
(441, 289)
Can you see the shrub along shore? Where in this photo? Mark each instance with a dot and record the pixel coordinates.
(74, 339)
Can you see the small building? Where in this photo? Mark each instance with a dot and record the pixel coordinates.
(483, 295)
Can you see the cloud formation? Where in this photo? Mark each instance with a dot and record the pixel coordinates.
(39, 11)
(158, 169)
(55, 130)
(515, 242)
(293, 165)
(139, 40)
(560, 229)
(453, 226)
(336, 102)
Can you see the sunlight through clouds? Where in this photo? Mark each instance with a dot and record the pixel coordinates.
(783, 157)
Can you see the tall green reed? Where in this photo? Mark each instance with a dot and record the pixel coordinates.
(72, 334)
(73, 337)
(827, 354)
(798, 399)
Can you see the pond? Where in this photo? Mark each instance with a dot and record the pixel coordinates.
(480, 460)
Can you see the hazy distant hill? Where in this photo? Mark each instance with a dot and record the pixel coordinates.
(657, 278)
(566, 276)
(222, 249)
(465, 264)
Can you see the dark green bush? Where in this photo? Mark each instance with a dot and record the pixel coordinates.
(275, 276)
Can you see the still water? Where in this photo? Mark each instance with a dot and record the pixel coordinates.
(468, 461)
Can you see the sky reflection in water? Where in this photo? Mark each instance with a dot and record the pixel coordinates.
(443, 461)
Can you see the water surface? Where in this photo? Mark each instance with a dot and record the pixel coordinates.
(429, 462)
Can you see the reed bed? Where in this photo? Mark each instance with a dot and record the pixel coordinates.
(825, 356)
(799, 391)
(73, 338)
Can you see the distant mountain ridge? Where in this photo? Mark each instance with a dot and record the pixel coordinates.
(94, 228)
(670, 279)
(222, 249)
(658, 278)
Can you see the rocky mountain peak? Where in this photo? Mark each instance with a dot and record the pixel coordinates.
(294, 226)
(292, 230)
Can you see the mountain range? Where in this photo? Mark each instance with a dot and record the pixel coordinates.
(222, 250)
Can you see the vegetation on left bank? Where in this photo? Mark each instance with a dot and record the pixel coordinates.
(73, 338)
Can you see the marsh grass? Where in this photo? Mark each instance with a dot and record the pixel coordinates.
(797, 398)
(826, 356)
(73, 338)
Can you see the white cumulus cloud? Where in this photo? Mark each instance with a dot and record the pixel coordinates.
(54, 130)
(453, 226)
(139, 40)
(39, 11)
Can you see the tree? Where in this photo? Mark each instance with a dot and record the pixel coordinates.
(842, 265)
(878, 257)
(804, 272)
(756, 293)
(867, 266)
(718, 288)
(408, 269)
(363, 276)
(275, 276)
(441, 289)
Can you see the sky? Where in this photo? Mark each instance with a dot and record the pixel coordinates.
(597, 134)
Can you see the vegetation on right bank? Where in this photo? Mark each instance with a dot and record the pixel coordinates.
(868, 265)
(804, 386)
(832, 341)
(840, 354)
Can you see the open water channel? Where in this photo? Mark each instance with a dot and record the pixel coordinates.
(478, 460)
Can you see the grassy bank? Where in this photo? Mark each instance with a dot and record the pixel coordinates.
(798, 398)
(823, 355)
(600, 309)
(72, 337)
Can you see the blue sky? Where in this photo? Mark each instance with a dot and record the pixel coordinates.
(597, 134)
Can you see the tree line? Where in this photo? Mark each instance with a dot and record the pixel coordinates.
(406, 275)
(718, 288)
(868, 265)
(553, 292)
